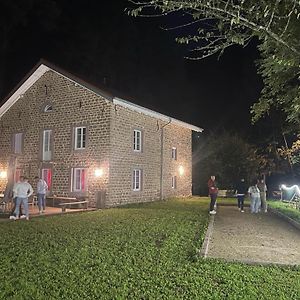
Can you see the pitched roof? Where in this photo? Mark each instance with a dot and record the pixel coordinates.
(43, 66)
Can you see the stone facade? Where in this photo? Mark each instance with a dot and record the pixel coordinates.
(109, 144)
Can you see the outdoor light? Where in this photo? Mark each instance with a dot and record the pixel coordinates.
(99, 172)
(181, 170)
(3, 174)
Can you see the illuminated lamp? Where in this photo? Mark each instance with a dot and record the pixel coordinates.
(181, 170)
(99, 172)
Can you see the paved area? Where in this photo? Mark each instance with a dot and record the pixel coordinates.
(253, 238)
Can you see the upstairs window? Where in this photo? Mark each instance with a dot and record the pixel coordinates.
(78, 180)
(48, 108)
(136, 179)
(17, 141)
(80, 138)
(46, 146)
(174, 153)
(137, 140)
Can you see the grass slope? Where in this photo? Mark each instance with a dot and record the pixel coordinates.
(145, 251)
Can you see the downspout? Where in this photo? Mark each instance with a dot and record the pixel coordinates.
(162, 157)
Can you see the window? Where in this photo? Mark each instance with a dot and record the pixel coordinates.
(48, 108)
(47, 176)
(137, 179)
(18, 143)
(174, 153)
(46, 147)
(137, 140)
(78, 179)
(174, 182)
(80, 138)
(18, 174)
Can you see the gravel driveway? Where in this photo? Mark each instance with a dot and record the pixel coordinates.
(253, 238)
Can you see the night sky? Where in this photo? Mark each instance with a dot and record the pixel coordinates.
(133, 56)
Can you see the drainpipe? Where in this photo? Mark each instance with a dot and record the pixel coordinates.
(162, 157)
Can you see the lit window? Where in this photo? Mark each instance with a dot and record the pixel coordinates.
(137, 140)
(48, 108)
(174, 153)
(18, 143)
(78, 179)
(80, 138)
(47, 176)
(137, 179)
(174, 182)
(47, 144)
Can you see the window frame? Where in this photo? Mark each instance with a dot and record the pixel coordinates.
(21, 143)
(73, 180)
(137, 140)
(174, 153)
(82, 140)
(50, 144)
(174, 182)
(137, 184)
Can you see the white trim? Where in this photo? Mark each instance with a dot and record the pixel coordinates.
(137, 179)
(174, 153)
(37, 74)
(73, 179)
(82, 141)
(154, 114)
(42, 69)
(137, 140)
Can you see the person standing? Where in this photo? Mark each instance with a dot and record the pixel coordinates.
(254, 195)
(41, 190)
(263, 194)
(22, 191)
(241, 190)
(213, 193)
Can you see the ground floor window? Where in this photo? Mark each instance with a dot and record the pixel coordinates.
(174, 182)
(78, 180)
(47, 176)
(137, 179)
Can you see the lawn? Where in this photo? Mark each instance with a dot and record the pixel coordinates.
(286, 209)
(146, 251)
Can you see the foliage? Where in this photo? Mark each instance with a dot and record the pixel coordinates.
(230, 158)
(286, 209)
(141, 251)
(211, 26)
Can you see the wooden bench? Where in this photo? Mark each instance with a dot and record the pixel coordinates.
(226, 193)
(64, 205)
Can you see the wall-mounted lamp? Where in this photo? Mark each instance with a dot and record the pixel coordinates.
(99, 172)
(3, 174)
(181, 170)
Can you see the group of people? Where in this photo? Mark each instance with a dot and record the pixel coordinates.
(257, 193)
(22, 190)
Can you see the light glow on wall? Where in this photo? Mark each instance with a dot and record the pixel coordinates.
(290, 192)
(3, 174)
(181, 170)
(99, 172)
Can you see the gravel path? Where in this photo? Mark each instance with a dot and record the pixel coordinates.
(253, 238)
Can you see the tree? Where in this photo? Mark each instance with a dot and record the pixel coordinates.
(229, 157)
(211, 26)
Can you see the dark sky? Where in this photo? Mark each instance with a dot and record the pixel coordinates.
(103, 45)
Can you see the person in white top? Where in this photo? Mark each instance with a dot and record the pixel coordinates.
(254, 195)
(22, 191)
(41, 190)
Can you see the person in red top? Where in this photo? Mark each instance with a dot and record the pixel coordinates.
(213, 193)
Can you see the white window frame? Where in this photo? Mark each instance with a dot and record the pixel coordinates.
(76, 186)
(174, 153)
(137, 180)
(18, 143)
(174, 182)
(80, 137)
(46, 146)
(137, 140)
(44, 172)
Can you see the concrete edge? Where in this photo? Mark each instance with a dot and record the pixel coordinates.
(205, 245)
(284, 217)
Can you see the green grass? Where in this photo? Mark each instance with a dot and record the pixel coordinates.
(286, 209)
(146, 251)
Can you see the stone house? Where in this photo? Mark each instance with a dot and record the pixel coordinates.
(86, 142)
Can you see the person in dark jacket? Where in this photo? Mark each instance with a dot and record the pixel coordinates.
(241, 191)
(213, 193)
